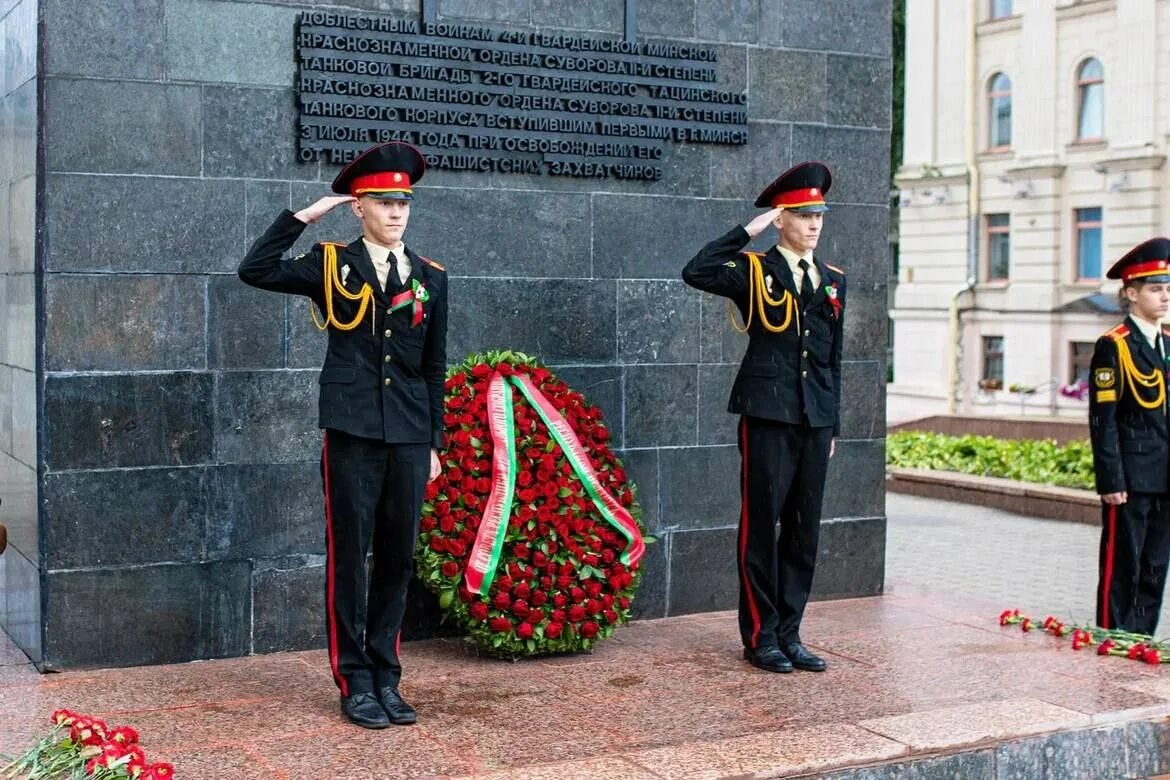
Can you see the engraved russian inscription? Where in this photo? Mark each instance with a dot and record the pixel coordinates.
(475, 99)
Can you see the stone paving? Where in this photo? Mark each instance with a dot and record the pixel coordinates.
(1041, 566)
(922, 683)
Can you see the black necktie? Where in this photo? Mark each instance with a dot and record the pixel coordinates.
(806, 285)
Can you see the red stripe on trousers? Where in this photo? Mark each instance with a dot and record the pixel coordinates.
(330, 560)
(1107, 577)
(743, 535)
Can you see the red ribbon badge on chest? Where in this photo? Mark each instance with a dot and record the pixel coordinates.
(415, 297)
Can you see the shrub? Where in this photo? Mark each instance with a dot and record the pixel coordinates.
(1027, 460)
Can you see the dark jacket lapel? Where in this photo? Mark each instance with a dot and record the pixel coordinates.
(1139, 343)
(775, 264)
(359, 261)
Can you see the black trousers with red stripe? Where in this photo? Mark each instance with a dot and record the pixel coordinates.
(373, 496)
(1134, 558)
(782, 480)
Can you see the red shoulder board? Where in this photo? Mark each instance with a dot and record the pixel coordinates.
(1118, 333)
(433, 264)
(834, 268)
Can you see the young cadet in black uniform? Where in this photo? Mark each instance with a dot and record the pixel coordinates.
(1131, 445)
(381, 406)
(788, 396)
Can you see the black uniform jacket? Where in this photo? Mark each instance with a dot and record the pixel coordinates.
(792, 376)
(1131, 444)
(383, 379)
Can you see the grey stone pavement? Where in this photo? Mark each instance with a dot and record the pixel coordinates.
(1043, 567)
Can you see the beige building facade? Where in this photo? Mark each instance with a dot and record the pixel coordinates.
(1034, 156)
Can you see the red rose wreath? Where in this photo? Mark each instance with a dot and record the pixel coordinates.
(531, 535)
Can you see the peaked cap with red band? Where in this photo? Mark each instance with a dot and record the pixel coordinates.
(1149, 261)
(385, 171)
(801, 188)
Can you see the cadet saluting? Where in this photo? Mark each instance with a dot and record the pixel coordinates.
(788, 396)
(381, 406)
(1131, 445)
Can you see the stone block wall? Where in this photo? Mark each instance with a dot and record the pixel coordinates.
(180, 509)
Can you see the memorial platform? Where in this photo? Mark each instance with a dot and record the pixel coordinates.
(918, 686)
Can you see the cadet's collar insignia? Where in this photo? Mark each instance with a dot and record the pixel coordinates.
(730, 264)
(344, 273)
(1104, 378)
(768, 282)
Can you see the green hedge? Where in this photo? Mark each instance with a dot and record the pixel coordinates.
(1027, 460)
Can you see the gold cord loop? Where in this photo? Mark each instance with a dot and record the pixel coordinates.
(759, 299)
(333, 282)
(1155, 380)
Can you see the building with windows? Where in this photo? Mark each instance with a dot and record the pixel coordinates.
(1034, 156)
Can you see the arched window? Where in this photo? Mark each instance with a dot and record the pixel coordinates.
(999, 111)
(1090, 100)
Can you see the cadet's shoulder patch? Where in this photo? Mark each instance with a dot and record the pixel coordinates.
(433, 264)
(835, 269)
(1117, 333)
(1106, 396)
(1104, 377)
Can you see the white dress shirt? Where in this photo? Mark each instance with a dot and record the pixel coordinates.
(797, 272)
(380, 255)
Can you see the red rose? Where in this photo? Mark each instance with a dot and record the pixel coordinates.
(438, 544)
(501, 601)
(449, 569)
(480, 370)
(609, 556)
(535, 617)
(560, 600)
(520, 609)
(504, 582)
(501, 625)
(478, 611)
(592, 606)
(576, 613)
(522, 591)
(539, 558)
(552, 547)
(558, 616)
(564, 582)
(524, 630)
(1136, 651)
(447, 524)
(1105, 647)
(427, 524)
(593, 588)
(578, 595)
(538, 598)
(624, 602)
(457, 548)
(610, 616)
(524, 479)
(553, 630)
(504, 368)
(483, 485)
(589, 629)
(521, 551)
(607, 600)
(1152, 656)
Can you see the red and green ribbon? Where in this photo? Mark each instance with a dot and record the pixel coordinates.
(416, 296)
(489, 540)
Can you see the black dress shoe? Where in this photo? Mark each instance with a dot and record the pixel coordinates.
(801, 658)
(769, 658)
(399, 712)
(364, 710)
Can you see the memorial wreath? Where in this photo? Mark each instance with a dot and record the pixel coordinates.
(531, 534)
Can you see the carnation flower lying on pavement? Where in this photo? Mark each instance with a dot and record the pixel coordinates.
(531, 535)
(1136, 647)
(81, 746)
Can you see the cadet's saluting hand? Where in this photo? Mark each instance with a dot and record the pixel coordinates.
(762, 222)
(311, 214)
